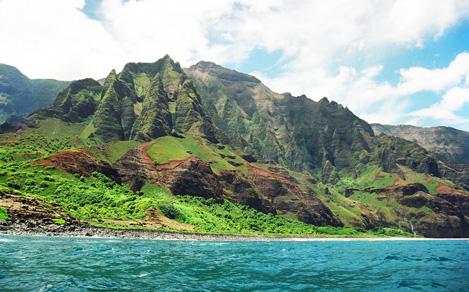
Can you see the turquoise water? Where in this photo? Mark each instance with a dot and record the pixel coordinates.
(72, 264)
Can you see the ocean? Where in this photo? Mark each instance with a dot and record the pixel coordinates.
(77, 264)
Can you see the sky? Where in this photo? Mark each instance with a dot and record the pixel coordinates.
(389, 61)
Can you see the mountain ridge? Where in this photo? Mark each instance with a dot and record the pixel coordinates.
(20, 95)
(217, 134)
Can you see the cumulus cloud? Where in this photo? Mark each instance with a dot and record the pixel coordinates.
(447, 109)
(316, 39)
(416, 79)
(54, 39)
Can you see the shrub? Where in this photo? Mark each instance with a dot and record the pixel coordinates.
(59, 221)
(170, 211)
(3, 214)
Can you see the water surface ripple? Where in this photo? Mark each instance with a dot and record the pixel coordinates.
(76, 264)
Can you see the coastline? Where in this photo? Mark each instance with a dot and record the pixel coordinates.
(107, 233)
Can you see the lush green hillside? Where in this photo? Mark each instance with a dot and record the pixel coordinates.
(209, 149)
(101, 201)
(323, 138)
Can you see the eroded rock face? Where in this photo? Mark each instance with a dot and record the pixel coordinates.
(239, 189)
(448, 214)
(78, 162)
(191, 176)
(30, 214)
(457, 199)
(286, 196)
(411, 189)
(443, 226)
(262, 190)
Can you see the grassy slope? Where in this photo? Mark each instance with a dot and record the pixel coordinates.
(168, 148)
(101, 201)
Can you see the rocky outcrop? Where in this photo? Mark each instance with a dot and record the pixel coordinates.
(449, 145)
(261, 189)
(431, 215)
(76, 102)
(237, 188)
(32, 214)
(460, 200)
(192, 176)
(78, 162)
(287, 196)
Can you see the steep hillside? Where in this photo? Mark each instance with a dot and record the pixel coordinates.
(448, 144)
(323, 138)
(146, 101)
(213, 150)
(20, 95)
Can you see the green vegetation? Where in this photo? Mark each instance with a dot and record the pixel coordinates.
(59, 221)
(168, 148)
(117, 149)
(19, 95)
(101, 201)
(313, 154)
(3, 214)
(372, 177)
(208, 216)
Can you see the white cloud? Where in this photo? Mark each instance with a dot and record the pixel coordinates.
(416, 79)
(54, 38)
(146, 30)
(446, 109)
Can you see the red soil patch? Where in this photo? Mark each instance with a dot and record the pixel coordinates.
(444, 189)
(256, 170)
(143, 153)
(74, 161)
(174, 163)
(68, 158)
(399, 182)
(12, 138)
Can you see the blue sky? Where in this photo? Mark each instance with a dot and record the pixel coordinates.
(395, 62)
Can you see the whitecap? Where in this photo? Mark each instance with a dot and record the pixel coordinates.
(7, 240)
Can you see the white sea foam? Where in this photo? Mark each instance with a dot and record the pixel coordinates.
(7, 240)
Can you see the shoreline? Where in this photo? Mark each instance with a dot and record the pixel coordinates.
(107, 233)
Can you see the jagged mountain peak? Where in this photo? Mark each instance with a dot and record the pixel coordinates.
(324, 100)
(78, 85)
(148, 100)
(222, 72)
(77, 101)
